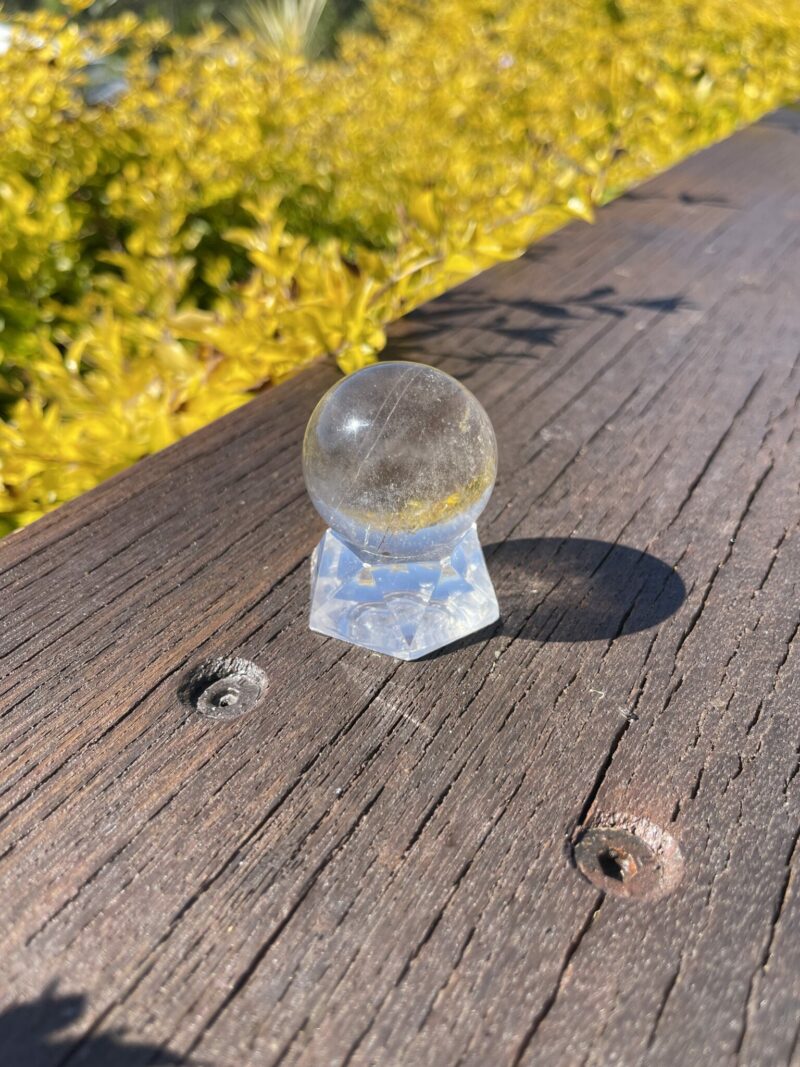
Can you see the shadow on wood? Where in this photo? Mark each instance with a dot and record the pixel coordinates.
(526, 325)
(29, 1036)
(576, 589)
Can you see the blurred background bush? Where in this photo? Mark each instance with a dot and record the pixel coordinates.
(190, 210)
(323, 18)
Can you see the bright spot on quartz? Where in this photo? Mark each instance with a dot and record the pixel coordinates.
(353, 424)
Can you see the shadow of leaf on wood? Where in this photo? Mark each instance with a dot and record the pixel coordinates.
(29, 1037)
(526, 325)
(706, 200)
(573, 589)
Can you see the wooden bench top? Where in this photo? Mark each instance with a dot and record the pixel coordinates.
(377, 864)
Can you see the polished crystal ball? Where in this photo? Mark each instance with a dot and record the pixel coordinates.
(400, 460)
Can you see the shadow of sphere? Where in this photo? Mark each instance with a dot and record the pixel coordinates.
(576, 589)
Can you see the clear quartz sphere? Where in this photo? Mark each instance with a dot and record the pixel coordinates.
(399, 460)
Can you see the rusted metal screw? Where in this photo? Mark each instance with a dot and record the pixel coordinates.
(628, 856)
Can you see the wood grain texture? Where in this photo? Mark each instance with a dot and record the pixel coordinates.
(374, 866)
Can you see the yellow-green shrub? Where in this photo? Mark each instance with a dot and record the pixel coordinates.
(234, 214)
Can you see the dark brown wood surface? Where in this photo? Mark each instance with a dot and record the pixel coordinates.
(375, 865)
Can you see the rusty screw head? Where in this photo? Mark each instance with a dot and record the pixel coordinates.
(628, 857)
(224, 688)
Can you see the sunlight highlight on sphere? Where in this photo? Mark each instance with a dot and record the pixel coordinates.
(399, 460)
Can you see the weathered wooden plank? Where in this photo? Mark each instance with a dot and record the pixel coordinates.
(374, 866)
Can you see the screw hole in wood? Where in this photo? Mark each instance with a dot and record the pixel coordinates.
(628, 856)
(617, 864)
(224, 688)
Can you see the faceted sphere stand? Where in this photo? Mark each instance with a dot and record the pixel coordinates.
(403, 609)
(400, 459)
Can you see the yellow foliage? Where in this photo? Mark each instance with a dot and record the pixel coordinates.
(233, 213)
